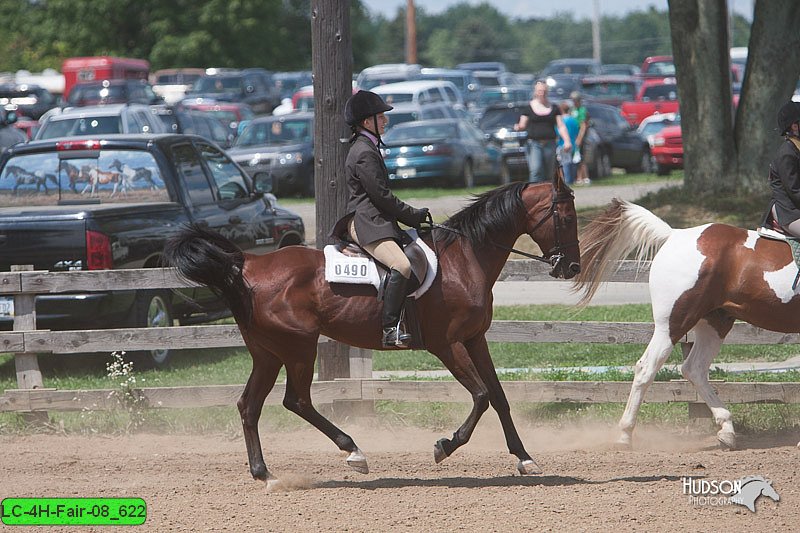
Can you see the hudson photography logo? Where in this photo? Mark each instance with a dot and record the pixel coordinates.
(713, 492)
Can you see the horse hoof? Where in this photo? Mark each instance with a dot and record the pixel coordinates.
(273, 483)
(727, 440)
(439, 454)
(528, 467)
(358, 462)
(623, 445)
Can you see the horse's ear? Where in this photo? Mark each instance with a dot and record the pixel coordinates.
(558, 178)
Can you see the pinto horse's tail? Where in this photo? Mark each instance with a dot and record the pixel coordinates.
(622, 229)
(212, 260)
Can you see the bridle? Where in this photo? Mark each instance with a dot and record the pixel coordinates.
(555, 255)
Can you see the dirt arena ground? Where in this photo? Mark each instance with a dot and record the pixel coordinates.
(201, 483)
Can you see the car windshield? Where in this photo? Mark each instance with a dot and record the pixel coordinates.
(369, 83)
(421, 131)
(53, 178)
(276, 132)
(401, 117)
(96, 93)
(661, 68)
(218, 84)
(499, 118)
(67, 127)
(502, 94)
(396, 98)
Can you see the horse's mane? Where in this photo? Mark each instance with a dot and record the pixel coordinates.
(495, 211)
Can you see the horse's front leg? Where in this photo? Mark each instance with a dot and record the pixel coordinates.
(456, 358)
(261, 380)
(298, 400)
(479, 351)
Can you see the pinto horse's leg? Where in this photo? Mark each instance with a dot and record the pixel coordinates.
(456, 358)
(651, 361)
(262, 378)
(299, 375)
(707, 343)
(479, 351)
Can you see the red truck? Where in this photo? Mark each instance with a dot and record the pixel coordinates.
(80, 69)
(656, 95)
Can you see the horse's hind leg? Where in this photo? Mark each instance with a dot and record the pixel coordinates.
(262, 378)
(456, 358)
(649, 363)
(479, 351)
(709, 334)
(298, 400)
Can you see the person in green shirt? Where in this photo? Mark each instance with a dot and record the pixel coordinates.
(580, 114)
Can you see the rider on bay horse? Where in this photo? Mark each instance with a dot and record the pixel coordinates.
(373, 211)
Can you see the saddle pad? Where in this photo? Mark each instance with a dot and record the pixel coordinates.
(340, 268)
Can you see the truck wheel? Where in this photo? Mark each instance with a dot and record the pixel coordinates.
(152, 309)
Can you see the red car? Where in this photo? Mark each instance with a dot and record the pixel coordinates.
(666, 148)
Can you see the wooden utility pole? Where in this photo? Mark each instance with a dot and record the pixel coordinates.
(332, 66)
(411, 33)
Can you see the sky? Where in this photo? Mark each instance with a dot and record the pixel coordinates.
(545, 8)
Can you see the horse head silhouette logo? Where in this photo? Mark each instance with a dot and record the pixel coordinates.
(751, 488)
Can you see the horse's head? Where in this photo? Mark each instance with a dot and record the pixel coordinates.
(553, 224)
(116, 164)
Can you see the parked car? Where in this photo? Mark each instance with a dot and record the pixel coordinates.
(493, 78)
(495, 66)
(9, 134)
(667, 148)
(283, 147)
(172, 84)
(657, 66)
(497, 123)
(253, 87)
(656, 95)
(500, 95)
(575, 66)
(386, 73)
(409, 112)
(610, 89)
(560, 86)
(232, 115)
(141, 190)
(618, 143)
(420, 92)
(113, 92)
(464, 80)
(303, 99)
(289, 82)
(655, 123)
(26, 100)
(98, 120)
(449, 152)
(189, 121)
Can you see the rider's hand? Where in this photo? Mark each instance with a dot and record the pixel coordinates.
(425, 218)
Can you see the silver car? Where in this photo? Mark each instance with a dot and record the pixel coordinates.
(101, 119)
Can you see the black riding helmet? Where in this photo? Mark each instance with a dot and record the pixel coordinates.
(788, 115)
(362, 105)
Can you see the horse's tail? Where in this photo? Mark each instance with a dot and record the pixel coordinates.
(212, 260)
(622, 229)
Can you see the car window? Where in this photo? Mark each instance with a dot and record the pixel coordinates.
(230, 182)
(81, 126)
(50, 178)
(421, 131)
(451, 94)
(190, 168)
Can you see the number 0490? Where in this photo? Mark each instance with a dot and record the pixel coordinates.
(351, 269)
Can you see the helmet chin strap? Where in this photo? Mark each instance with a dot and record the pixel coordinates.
(376, 133)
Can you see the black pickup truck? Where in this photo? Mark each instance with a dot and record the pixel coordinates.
(111, 202)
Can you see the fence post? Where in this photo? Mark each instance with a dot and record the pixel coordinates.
(27, 365)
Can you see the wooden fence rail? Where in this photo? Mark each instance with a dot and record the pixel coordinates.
(28, 342)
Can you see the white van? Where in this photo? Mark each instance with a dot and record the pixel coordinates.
(421, 92)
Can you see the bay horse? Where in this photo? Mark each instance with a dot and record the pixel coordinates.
(282, 304)
(702, 279)
(75, 176)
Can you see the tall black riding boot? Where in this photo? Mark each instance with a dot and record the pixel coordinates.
(393, 298)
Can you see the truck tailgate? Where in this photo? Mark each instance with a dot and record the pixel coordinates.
(55, 244)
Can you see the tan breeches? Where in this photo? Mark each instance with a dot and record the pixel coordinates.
(387, 251)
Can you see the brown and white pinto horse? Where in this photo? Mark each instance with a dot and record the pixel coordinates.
(702, 279)
(282, 305)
